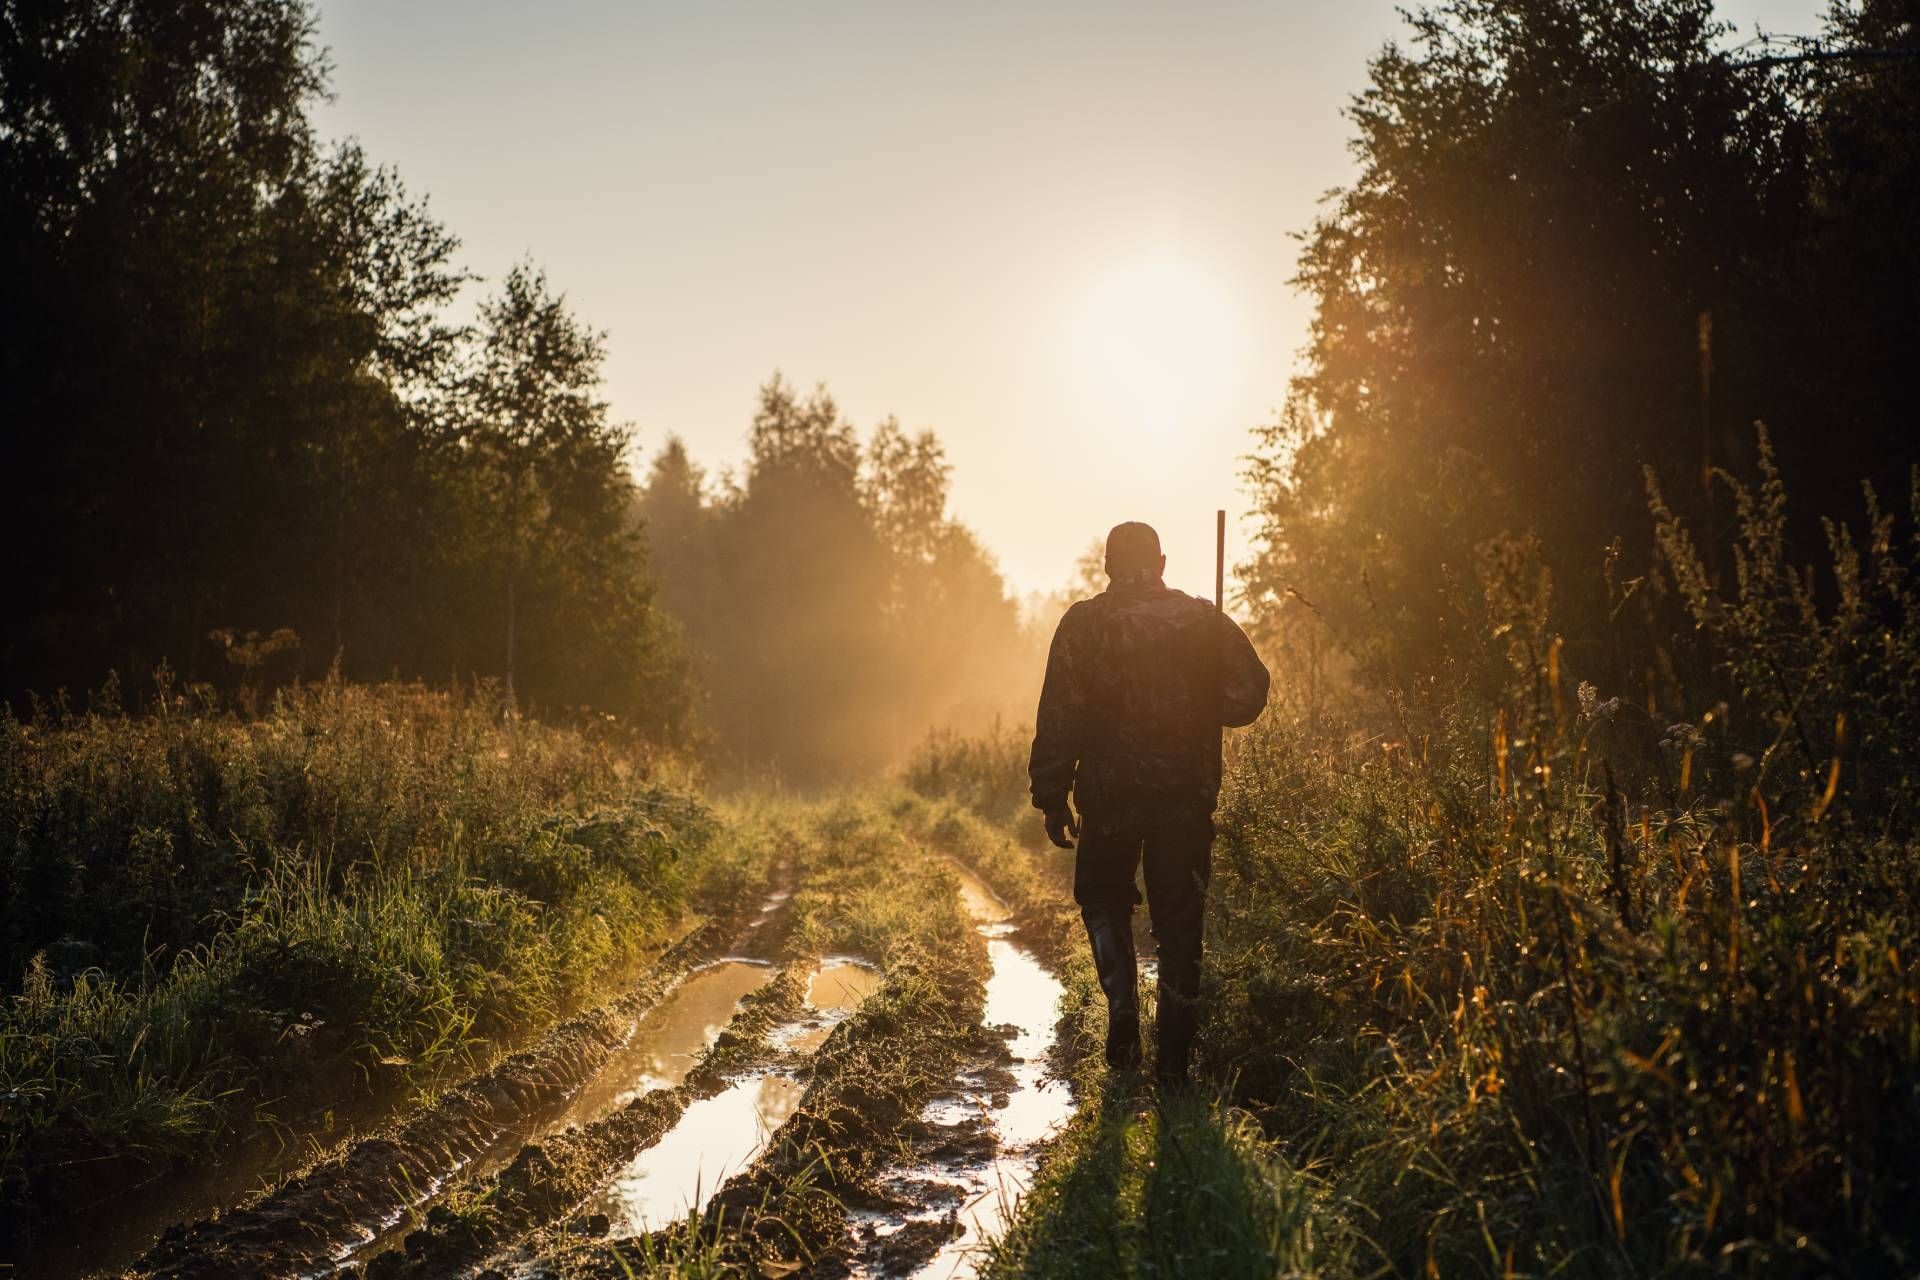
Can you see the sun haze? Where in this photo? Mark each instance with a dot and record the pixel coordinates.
(1056, 235)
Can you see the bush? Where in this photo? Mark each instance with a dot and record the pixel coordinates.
(204, 915)
(1557, 981)
(988, 774)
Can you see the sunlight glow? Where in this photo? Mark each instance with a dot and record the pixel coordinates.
(1158, 347)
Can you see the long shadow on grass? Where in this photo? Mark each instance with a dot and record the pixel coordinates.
(1082, 1216)
(1217, 1199)
(1184, 1186)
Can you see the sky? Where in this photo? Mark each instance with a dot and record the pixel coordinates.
(1058, 235)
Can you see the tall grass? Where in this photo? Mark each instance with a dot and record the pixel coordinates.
(1563, 980)
(987, 773)
(211, 921)
(1535, 977)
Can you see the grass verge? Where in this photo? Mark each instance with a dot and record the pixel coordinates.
(215, 925)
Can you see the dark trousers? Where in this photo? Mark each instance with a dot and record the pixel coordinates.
(1176, 847)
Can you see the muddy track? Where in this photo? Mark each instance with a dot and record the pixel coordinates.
(882, 1168)
(551, 1178)
(966, 1157)
(870, 1081)
(305, 1224)
(875, 1171)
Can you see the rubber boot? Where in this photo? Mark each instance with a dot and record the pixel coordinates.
(1110, 930)
(1173, 1040)
(1179, 1008)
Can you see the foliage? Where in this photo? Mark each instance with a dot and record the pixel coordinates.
(206, 919)
(1541, 979)
(1564, 984)
(836, 607)
(233, 381)
(1585, 238)
(539, 469)
(985, 772)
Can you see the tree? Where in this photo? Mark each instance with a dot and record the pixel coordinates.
(837, 608)
(216, 336)
(541, 473)
(1558, 201)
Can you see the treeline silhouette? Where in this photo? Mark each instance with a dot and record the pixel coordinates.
(246, 437)
(834, 607)
(1588, 237)
(240, 414)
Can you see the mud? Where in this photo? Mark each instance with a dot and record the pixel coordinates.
(867, 1085)
(340, 1205)
(548, 1181)
(719, 1136)
(975, 1149)
(665, 1044)
(915, 1139)
(122, 1224)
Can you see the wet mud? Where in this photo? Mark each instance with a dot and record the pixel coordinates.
(675, 1122)
(550, 1179)
(719, 1136)
(976, 1147)
(914, 1141)
(666, 1043)
(348, 1201)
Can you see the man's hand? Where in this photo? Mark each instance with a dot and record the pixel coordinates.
(1062, 826)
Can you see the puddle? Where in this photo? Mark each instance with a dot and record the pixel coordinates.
(719, 1136)
(841, 984)
(1019, 1114)
(665, 1043)
(978, 901)
(834, 991)
(667, 1040)
(714, 1139)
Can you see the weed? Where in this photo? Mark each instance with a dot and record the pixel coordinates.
(208, 918)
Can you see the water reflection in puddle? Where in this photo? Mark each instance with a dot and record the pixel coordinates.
(1023, 995)
(717, 1137)
(665, 1042)
(714, 1139)
(835, 990)
(668, 1039)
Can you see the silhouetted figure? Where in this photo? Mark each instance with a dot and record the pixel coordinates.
(1140, 680)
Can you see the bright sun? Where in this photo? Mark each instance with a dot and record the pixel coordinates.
(1157, 345)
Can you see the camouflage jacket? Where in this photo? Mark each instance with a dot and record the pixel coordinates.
(1125, 722)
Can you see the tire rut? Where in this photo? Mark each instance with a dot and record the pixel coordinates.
(869, 1176)
(550, 1179)
(305, 1225)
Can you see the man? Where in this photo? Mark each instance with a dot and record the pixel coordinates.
(1139, 682)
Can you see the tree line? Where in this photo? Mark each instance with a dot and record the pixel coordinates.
(835, 607)
(246, 438)
(1588, 238)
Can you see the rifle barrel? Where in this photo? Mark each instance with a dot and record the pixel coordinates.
(1219, 640)
(1219, 561)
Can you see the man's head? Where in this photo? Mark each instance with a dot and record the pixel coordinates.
(1133, 551)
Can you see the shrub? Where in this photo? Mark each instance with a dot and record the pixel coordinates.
(987, 773)
(1557, 981)
(206, 916)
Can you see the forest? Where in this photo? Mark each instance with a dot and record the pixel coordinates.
(452, 831)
